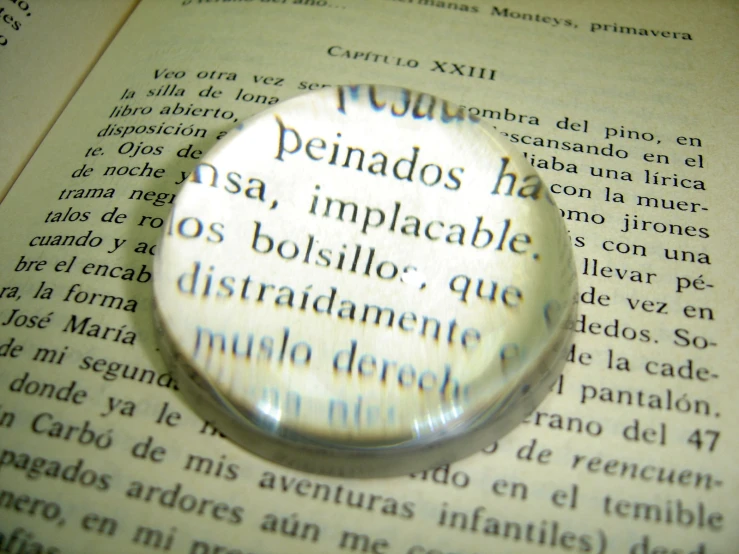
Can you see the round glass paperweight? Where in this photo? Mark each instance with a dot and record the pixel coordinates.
(364, 281)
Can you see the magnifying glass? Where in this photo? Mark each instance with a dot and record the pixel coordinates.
(364, 281)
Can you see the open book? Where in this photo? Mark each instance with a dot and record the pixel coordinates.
(627, 110)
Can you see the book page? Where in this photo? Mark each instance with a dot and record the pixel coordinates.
(624, 109)
(46, 49)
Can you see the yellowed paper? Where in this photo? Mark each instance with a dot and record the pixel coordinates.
(626, 110)
(46, 49)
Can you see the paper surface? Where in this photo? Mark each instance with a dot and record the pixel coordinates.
(46, 49)
(626, 111)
